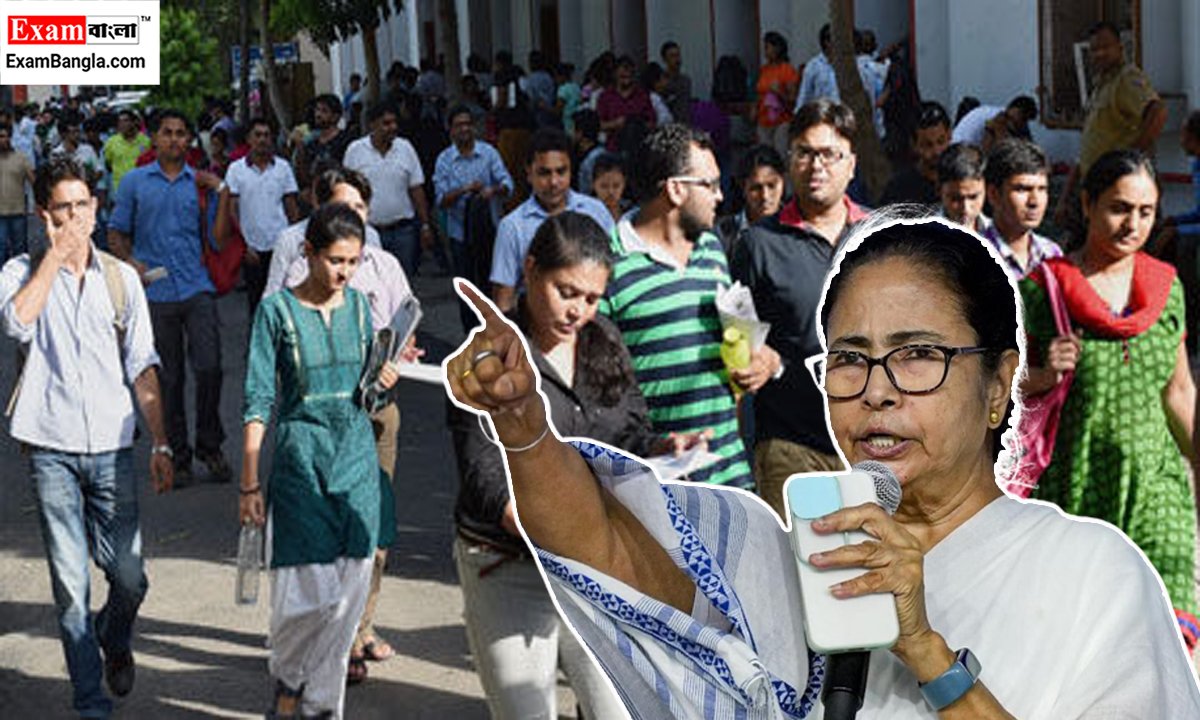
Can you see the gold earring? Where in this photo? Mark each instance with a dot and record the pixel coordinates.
(994, 418)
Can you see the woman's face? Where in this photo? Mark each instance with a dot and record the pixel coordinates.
(943, 434)
(770, 52)
(332, 267)
(609, 187)
(1120, 220)
(564, 300)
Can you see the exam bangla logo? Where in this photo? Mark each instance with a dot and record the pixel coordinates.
(74, 29)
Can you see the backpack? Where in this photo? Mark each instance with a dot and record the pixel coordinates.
(111, 267)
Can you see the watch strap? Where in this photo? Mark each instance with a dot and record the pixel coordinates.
(950, 686)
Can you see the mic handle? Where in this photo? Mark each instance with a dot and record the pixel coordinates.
(845, 684)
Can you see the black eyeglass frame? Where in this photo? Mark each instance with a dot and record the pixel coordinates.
(820, 367)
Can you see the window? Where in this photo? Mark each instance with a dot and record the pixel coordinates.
(1066, 76)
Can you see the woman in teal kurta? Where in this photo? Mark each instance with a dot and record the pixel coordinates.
(1124, 431)
(324, 488)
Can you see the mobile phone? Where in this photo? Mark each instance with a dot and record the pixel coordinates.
(833, 624)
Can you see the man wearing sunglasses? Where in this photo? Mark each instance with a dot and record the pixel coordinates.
(783, 260)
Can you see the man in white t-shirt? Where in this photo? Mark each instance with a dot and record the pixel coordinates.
(260, 191)
(399, 209)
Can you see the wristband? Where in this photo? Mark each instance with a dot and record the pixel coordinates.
(947, 688)
(250, 491)
(163, 450)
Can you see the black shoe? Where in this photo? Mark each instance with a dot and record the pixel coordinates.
(218, 468)
(119, 672)
(183, 472)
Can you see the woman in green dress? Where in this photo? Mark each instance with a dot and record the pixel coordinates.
(1124, 433)
(323, 495)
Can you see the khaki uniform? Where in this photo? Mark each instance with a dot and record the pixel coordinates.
(1114, 113)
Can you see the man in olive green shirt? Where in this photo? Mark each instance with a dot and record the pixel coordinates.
(15, 173)
(121, 151)
(1123, 112)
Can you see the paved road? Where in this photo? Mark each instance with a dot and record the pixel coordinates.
(198, 654)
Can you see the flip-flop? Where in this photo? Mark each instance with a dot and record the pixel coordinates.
(378, 650)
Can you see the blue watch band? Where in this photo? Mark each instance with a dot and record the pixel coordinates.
(951, 685)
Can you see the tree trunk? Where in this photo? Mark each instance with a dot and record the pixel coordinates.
(874, 168)
(282, 113)
(448, 23)
(371, 52)
(244, 71)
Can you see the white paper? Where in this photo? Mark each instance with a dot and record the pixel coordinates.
(422, 372)
(735, 306)
(670, 467)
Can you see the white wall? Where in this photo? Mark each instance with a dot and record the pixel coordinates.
(887, 18)
(1189, 27)
(737, 34)
(629, 28)
(687, 23)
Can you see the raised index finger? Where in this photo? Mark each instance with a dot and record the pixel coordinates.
(488, 314)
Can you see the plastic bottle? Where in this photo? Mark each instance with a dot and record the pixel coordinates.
(735, 353)
(250, 551)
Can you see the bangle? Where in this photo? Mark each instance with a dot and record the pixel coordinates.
(250, 491)
(163, 450)
(523, 448)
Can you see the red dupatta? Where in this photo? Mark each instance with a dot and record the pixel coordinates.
(1152, 280)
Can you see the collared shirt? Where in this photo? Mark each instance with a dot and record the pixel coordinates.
(784, 262)
(1040, 248)
(1114, 113)
(163, 218)
(971, 128)
(14, 174)
(455, 170)
(379, 276)
(74, 396)
(260, 194)
(516, 231)
(818, 81)
(391, 176)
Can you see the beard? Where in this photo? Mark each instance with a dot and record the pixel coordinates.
(693, 225)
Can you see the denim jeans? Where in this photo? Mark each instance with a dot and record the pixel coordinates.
(403, 240)
(89, 503)
(14, 231)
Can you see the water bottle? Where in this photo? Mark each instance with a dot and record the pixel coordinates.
(735, 353)
(250, 551)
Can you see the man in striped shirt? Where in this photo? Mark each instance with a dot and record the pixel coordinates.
(662, 296)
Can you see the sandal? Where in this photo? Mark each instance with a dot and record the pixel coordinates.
(377, 650)
(356, 671)
(281, 692)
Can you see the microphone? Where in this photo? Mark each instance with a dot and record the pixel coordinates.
(845, 630)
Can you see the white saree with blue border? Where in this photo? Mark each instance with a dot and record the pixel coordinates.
(745, 656)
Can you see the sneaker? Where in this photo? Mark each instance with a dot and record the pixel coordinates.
(119, 673)
(218, 468)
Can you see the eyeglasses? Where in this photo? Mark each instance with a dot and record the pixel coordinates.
(804, 155)
(712, 184)
(912, 369)
(63, 207)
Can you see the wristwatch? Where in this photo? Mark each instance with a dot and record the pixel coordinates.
(947, 688)
(163, 450)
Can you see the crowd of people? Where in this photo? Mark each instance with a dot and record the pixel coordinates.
(601, 218)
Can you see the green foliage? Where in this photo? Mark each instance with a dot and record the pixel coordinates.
(190, 64)
(329, 21)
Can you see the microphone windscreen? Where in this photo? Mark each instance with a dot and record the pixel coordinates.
(887, 485)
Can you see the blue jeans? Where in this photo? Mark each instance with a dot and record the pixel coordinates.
(13, 236)
(89, 503)
(403, 239)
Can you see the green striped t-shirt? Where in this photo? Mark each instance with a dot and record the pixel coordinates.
(668, 320)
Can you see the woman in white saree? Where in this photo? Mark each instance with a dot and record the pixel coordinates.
(688, 595)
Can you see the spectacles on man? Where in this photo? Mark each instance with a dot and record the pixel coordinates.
(804, 155)
(712, 184)
(912, 369)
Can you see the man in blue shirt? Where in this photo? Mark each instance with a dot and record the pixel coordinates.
(468, 167)
(549, 172)
(155, 227)
(83, 320)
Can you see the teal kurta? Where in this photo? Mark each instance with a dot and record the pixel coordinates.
(324, 492)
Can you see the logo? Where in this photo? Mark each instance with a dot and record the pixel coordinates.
(72, 30)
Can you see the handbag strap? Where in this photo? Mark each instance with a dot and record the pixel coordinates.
(202, 197)
(1058, 302)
